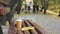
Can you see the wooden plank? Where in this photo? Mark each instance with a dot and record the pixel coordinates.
(32, 31)
(37, 27)
(25, 32)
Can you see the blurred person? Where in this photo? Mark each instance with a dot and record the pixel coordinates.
(44, 7)
(37, 8)
(34, 8)
(10, 15)
(1, 32)
(28, 7)
(13, 2)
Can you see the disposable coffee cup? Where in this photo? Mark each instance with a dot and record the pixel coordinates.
(19, 24)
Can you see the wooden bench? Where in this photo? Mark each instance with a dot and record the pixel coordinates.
(26, 23)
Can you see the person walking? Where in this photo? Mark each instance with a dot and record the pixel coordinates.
(44, 7)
